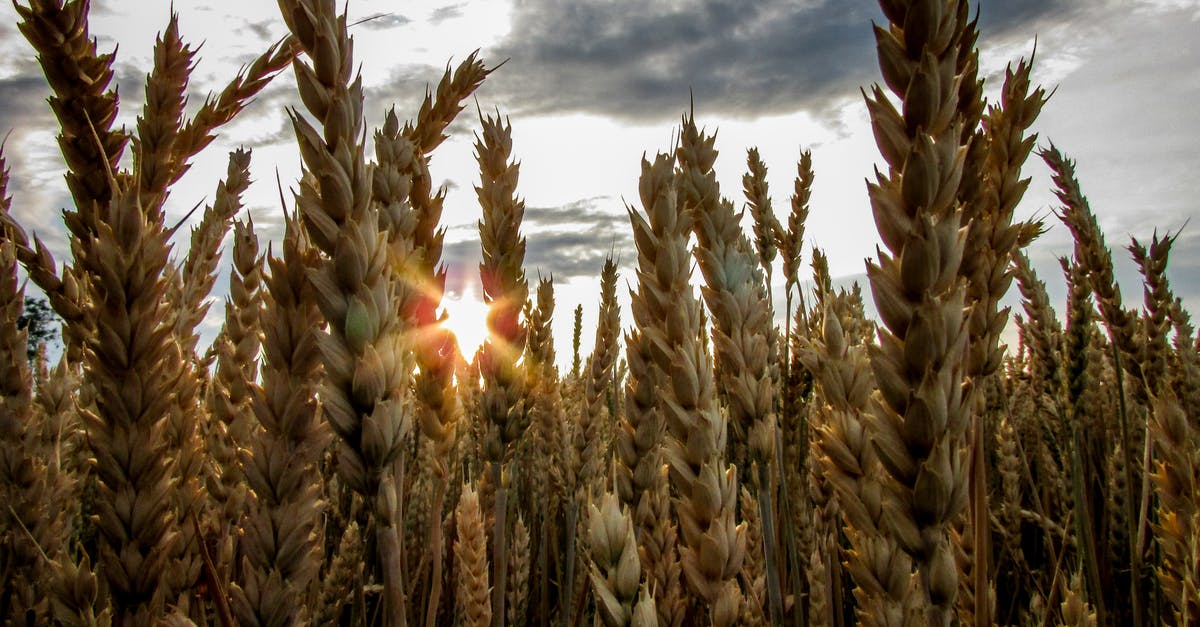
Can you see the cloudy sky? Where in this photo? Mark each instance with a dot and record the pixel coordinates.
(592, 85)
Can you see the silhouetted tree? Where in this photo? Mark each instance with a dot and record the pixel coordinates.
(42, 324)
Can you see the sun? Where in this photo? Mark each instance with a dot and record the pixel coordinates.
(466, 318)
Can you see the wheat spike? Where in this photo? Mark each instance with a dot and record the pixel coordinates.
(162, 115)
(517, 589)
(547, 429)
(473, 596)
(277, 539)
(921, 415)
(685, 390)
(590, 449)
(641, 476)
(1176, 477)
(616, 570)
(435, 116)
(195, 278)
(503, 403)
(1093, 253)
(217, 111)
(31, 521)
(1152, 263)
(881, 571)
(766, 224)
(744, 336)
(366, 360)
(82, 101)
(133, 366)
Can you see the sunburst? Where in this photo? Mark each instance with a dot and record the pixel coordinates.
(466, 318)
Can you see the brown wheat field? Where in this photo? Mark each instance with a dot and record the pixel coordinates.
(333, 459)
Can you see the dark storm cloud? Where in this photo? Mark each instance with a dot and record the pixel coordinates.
(22, 99)
(567, 242)
(639, 60)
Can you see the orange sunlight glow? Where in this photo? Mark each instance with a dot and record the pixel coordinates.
(466, 318)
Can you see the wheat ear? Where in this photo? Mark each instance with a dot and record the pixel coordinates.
(598, 373)
(162, 115)
(518, 574)
(231, 425)
(503, 402)
(685, 394)
(1152, 263)
(766, 224)
(435, 115)
(881, 571)
(1176, 479)
(547, 428)
(86, 109)
(367, 364)
(1093, 253)
(280, 464)
(197, 274)
(216, 111)
(133, 365)
(83, 103)
(641, 477)
(744, 335)
(34, 502)
(473, 596)
(921, 415)
(616, 570)
(409, 214)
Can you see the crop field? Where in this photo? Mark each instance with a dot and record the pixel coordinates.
(727, 454)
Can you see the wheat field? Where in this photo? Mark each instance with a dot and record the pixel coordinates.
(332, 458)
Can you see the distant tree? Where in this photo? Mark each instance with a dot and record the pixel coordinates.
(42, 324)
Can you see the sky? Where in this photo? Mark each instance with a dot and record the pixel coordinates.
(590, 86)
